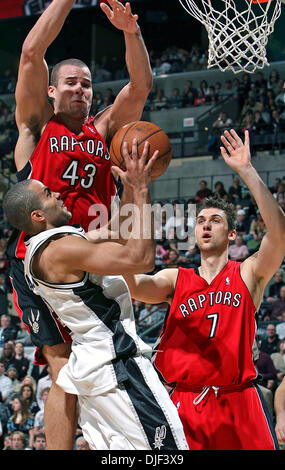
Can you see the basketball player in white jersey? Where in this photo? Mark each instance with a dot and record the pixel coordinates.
(122, 403)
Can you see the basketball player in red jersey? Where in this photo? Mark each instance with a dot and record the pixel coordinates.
(66, 150)
(205, 347)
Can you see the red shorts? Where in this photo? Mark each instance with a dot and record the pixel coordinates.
(230, 420)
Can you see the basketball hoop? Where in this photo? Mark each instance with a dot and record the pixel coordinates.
(238, 31)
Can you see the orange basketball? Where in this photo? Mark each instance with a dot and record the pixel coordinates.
(142, 131)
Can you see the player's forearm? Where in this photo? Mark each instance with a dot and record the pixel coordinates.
(141, 240)
(270, 210)
(47, 27)
(137, 60)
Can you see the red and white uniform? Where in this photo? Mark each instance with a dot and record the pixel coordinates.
(205, 352)
(78, 167)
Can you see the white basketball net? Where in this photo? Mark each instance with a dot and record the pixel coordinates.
(237, 35)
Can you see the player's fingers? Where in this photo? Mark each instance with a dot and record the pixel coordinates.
(117, 172)
(232, 139)
(145, 153)
(151, 161)
(106, 9)
(226, 143)
(224, 153)
(246, 138)
(125, 152)
(236, 137)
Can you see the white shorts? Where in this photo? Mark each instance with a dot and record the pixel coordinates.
(136, 415)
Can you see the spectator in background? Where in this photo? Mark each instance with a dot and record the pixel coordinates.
(266, 368)
(203, 192)
(21, 362)
(238, 251)
(39, 416)
(269, 345)
(211, 97)
(160, 101)
(235, 190)
(151, 315)
(278, 359)
(40, 442)
(257, 230)
(274, 187)
(18, 441)
(280, 327)
(188, 88)
(280, 190)
(176, 99)
(4, 416)
(6, 384)
(219, 190)
(263, 111)
(274, 288)
(8, 355)
(227, 90)
(7, 330)
(259, 126)
(275, 309)
(3, 295)
(218, 127)
(81, 444)
(273, 81)
(23, 335)
(200, 98)
(277, 123)
(28, 394)
(21, 420)
(137, 306)
(12, 373)
(7, 443)
(160, 254)
(242, 226)
(44, 382)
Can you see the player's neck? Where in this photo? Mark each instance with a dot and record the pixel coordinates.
(72, 123)
(212, 265)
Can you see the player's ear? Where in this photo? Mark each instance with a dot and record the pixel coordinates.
(232, 235)
(37, 215)
(51, 91)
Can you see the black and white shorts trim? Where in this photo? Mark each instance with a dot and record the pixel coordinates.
(136, 415)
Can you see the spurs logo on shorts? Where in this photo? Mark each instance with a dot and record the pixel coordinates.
(33, 321)
(160, 434)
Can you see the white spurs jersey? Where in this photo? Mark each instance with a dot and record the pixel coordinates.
(99, 314)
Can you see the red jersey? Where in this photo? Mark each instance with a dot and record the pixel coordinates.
(78, 167)
(209, 331)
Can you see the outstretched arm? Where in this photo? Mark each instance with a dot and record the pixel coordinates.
(32, 106)
(129, 103)
(267, 260)
(153, 289)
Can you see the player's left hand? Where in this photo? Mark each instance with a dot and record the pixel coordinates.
(236, 153)
(120, 16)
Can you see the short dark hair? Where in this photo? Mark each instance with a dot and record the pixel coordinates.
(56, 68)
(228, 208)
(18, 204)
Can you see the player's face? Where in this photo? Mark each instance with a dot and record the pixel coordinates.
(212, 232)
(55, 212)
(73, 94)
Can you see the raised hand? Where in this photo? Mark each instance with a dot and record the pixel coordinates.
(138, 169)
(236, 153)
(120, 16)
